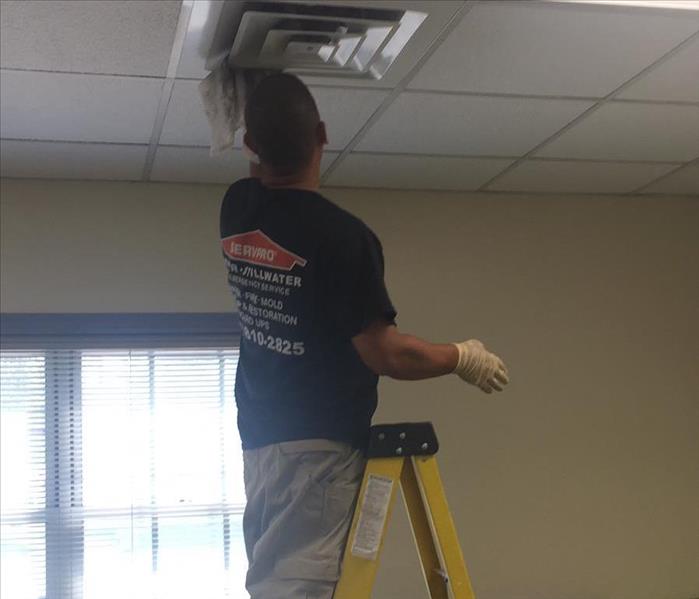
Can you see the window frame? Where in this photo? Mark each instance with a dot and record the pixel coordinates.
(156, 330)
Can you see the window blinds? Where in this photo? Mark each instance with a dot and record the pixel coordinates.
(121, 475)
(23, 467)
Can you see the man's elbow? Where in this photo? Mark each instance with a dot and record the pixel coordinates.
(381, 364)
(393, 362)
(381, 349)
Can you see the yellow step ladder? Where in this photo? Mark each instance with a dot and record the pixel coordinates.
(403, 455)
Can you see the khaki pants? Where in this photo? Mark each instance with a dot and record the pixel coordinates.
(300, 502)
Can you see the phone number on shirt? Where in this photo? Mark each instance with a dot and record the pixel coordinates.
(277, 344)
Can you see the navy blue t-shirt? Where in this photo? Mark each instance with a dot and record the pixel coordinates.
(307, 277)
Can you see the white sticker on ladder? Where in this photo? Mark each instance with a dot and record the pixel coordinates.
(372, 516)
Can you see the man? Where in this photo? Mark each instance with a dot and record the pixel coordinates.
(318, 328)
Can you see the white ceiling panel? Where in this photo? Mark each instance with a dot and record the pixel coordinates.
(684, 181)
(98, 36)
(423, 123)
(415, 172)
(53, 106)
(196, 166)
(630, 131)
(344, 111)
(185, 122)
(579, 177)
(548, 49)
(675, 79)
(56, 160)
(201, 28)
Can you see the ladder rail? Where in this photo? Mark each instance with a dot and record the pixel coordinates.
(358, 574)
(435, 502)
(422, 532)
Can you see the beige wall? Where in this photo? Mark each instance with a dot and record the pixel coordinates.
(582, 480)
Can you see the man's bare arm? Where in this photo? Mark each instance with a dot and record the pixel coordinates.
(387, 351)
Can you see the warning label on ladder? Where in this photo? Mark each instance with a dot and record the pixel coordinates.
(372, 516)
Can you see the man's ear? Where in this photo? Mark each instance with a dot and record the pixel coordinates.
(322, 134)
(248, 142)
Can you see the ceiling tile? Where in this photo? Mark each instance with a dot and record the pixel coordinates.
(185, 122)
(71, 107)
(197, 166)
(629, 131)
(676, 79)
(344, 111)
(423, 123)
(415, 172)
(326, 160)
(547, 49)
(579, 177)
(56, 160)
(684, 181)
(123, 38)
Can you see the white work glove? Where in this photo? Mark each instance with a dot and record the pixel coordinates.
(479, 367)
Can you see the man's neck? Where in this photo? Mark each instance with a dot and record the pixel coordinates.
(308, 180)
(292, 182)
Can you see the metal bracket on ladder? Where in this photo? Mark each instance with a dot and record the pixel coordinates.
(403, 455)
(407, 439)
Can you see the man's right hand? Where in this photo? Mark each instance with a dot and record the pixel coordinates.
(387, 351)
(479, 367)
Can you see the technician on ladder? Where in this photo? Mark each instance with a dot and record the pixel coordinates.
(318, 329)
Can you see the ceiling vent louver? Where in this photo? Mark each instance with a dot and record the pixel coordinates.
(336, 41)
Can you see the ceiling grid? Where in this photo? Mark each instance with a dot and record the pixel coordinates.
(448, 28)
(168, 84)
(599, 104)
(679, 170)
(505, 109)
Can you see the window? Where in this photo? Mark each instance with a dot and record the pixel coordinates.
(121, 475)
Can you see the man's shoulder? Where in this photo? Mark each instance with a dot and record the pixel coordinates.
(239, 194)
(241, 187)
(342, 221)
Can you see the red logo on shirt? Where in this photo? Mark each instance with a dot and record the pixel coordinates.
(256, 248)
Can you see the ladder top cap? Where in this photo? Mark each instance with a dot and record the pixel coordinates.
(402, 440)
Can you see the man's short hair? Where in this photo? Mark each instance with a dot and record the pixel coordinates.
(282, 119)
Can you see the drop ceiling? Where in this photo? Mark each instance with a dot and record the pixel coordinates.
(501, 96)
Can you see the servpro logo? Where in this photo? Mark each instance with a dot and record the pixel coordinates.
(256, 248)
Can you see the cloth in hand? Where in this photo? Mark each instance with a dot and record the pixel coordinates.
(224, 93)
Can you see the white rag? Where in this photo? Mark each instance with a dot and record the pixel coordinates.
(224, 93)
